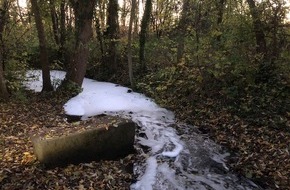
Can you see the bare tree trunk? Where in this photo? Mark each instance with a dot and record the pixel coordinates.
(54, 21)
(181, 30)
(136, 20)
(3, 88)
(62, 32)
(83, 11)
(132, 16)
(42, 46)
(3, 19)
(277, 19)
(220, 9)
(124, 14)
(258, 28)
(111, 35)
(99, 36)
(266, 66)
(144, 27)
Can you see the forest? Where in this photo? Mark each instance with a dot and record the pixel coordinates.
(220, 65)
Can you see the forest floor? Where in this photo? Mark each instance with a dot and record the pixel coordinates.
(260, 150)
(19, 168)
(253, 123)
(259, 143)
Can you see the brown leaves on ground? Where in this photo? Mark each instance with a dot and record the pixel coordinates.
(250, 120)
(264, 153)
(259, 152)
(19, 168)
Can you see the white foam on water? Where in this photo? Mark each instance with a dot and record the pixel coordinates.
(190, 161)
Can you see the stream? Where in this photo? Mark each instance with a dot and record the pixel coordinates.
(173, 155)
(177, 156)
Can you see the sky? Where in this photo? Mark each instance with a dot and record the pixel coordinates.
(22, 3)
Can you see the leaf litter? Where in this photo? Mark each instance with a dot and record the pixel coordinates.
(19, 168)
